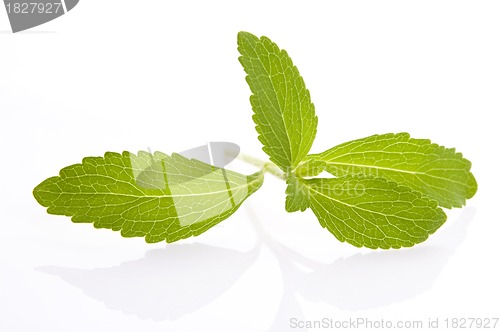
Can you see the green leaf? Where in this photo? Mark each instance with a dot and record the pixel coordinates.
(436, 171)
(283, 112)
(158, 197)
(296, 194)
(297, 197)
(373, 212)
(310, 167)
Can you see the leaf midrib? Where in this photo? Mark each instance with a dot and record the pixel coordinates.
(248, 184)
(397, 170)
(281, 110)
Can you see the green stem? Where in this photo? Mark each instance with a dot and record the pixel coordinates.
(266, 166)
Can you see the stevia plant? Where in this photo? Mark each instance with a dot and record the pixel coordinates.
(387, 191)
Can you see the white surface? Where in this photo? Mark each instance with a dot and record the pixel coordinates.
(126, 75)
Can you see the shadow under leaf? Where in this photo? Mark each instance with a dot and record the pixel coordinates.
(166, 284)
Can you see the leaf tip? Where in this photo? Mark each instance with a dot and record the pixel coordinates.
(245, 37)
(42, 193)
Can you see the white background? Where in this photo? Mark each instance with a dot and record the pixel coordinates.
(130, 75)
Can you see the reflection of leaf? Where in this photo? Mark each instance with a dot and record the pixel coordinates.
(373, 212)
(166, 284)
(364, 281)
(157, 196)
(283, 111)
(437, 172)
(376, 279)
